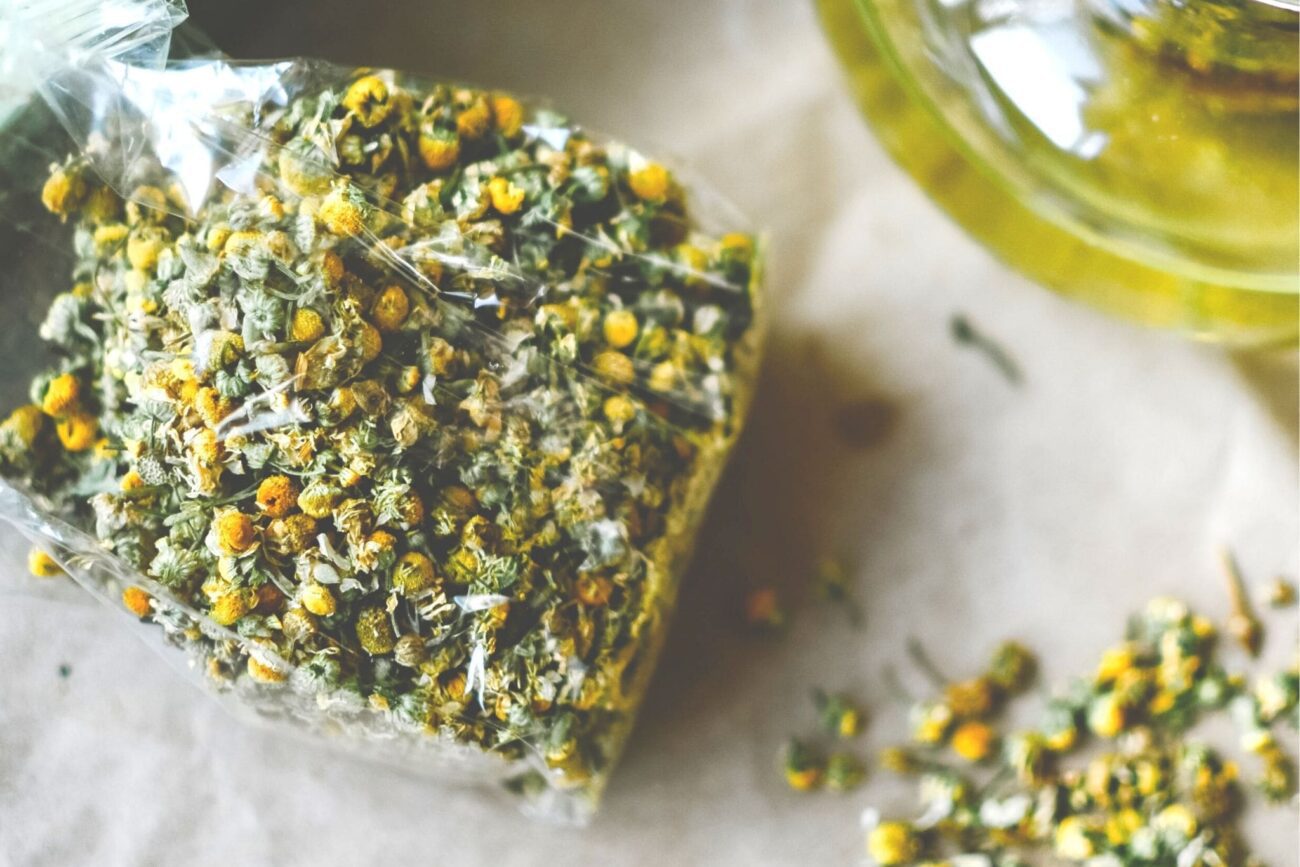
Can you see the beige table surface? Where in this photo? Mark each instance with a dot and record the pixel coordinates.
(1046, 512)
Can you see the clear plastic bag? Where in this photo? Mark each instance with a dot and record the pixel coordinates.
(391, 406)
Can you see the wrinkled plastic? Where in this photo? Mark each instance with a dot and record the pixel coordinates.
(505, 380)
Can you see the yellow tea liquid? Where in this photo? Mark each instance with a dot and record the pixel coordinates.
(1144, 164)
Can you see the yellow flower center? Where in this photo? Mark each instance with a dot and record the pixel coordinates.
(650, 183)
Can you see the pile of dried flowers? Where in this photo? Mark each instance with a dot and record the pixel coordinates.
(425, 421)
(1110, 777)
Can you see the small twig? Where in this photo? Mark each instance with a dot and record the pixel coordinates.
(965, 334)
(923, 662)
(1243, 625)
(832, 587)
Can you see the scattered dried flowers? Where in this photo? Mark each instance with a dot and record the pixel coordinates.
(422, 420)
(806, 767)
(1150, 796)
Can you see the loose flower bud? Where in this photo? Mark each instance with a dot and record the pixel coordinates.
(307, 326)
(77, 432)
(277, 495)
(390, 309)
(506, 197)
(413, 574)
(230, 607)
(318, 599)
(440, 149)
(375, 632)
(409, 651)
(620, 328)
(42, 565)
(973, 741)
(61, 395)
(891, 843)
(340, 214)
(137, 601)
(234, 532)
(368, 100)
(651, 182)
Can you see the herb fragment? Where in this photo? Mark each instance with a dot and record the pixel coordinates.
(803, 766)
(831, 583)
(1281, 593)
(1243, 625)
(965, 334)
(764, 610)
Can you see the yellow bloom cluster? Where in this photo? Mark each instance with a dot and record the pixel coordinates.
(1151, 797)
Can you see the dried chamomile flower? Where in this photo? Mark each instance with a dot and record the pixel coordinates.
(1012, 668)
(20, 430)
(898, 760)
(838, 714)
(414, 574)
(374, 632)
(974, 740)
(890, 843)
(61, 395)
(1281, 593)
(763, 608)
(77, 432)
(64, 190)
(137, 601)
(233, 531)
(409, 651)
(318, 599)
(931, 722)
(229, 607)
(971, 698)
(42, 565)
(620, 328)
(367, 99)
(844, 772)
(804, 767)
(277, 495)
(650, 181)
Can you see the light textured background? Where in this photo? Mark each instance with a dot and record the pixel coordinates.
(1046, 512)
